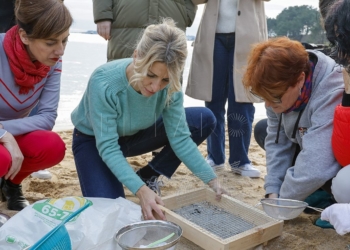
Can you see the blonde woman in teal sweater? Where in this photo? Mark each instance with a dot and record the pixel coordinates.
(133, 106)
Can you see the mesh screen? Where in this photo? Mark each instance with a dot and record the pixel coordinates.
(214, 219)
(224, 219)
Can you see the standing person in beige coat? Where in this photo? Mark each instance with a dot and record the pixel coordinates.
(225, 35)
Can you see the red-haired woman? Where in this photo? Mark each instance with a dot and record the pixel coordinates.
(30, 72)
(301, 90)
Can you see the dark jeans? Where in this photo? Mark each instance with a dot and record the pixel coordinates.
(260, 132)
(7, 15)
(240, 116)
(97, 180)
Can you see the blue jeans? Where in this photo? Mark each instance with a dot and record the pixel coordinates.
(97, 180)
(240, 116)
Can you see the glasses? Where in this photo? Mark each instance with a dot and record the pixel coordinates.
(277, 99)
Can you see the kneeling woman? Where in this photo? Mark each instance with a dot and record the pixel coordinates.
(133, 106)
(30, 72)
(300, 89)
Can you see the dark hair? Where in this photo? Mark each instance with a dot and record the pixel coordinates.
(42, 19)
(274, 66)
(337, 26)
(324, 6)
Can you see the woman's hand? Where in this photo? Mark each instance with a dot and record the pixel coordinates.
(272, 196)
(9, 142)
(215, 185)
(104, 29)
(149, 201)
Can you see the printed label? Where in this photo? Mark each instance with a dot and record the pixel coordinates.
(59, 209)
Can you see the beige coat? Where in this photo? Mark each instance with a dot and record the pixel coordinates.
(250, 28)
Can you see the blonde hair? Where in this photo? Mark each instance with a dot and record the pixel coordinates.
(164, 43)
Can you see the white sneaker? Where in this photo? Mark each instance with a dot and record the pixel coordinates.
(213, 165)
(42, 174)
(246, 170)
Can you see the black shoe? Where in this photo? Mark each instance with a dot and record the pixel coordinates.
(152, 183)
(12, 193)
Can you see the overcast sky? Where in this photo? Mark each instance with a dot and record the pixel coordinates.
(83, 18)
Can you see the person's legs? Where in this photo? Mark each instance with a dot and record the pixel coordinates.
(201, 123)
(44, 173)
(216, 141)
(95, 178)
(240, 118)
(5, 160)
(41, 149)
(260, 132)
(341, 185)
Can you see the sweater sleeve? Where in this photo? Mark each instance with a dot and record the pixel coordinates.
(341, 135)
(279, 155)
(47, 106)
(174, 119)
(103, 115)
(191, 10)
(102, 10)
(2, 132)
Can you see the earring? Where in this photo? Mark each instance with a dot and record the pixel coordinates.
(299, 91)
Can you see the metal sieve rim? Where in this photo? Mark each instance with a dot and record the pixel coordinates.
(147, 223)
(302, 203)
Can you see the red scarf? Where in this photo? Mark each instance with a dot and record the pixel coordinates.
(26, 72)
(305, 93)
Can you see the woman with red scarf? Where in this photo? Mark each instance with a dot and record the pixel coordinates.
(30, 72)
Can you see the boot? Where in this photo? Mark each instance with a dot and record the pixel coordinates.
(12, 193)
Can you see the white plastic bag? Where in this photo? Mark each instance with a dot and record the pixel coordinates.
(94, 228)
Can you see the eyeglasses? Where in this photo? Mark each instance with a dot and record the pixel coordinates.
(277, 99)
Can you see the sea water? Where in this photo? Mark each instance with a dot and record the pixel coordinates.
(83, 54)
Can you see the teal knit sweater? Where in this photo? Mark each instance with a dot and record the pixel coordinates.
(111, 108)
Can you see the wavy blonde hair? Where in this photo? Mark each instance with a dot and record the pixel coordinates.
(164, 43)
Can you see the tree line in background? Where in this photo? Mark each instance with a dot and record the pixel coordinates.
(300, 23)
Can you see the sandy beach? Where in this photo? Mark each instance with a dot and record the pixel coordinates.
(299, 233)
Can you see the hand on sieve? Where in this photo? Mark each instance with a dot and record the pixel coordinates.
(216, 186)
(149, 201)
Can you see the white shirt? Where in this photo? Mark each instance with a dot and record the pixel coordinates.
(227, 16)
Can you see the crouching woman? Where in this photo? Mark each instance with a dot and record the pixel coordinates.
(30, 73)
(133, 106)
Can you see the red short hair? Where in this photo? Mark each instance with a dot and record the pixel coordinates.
(274, 66)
